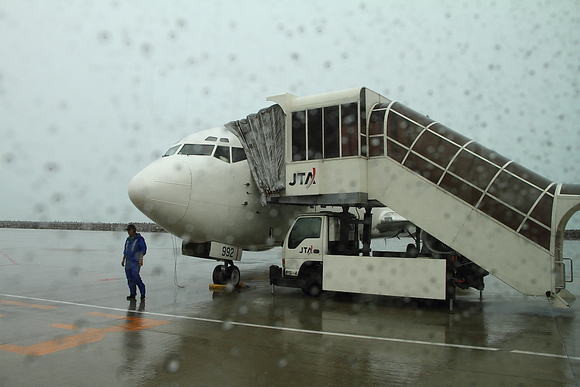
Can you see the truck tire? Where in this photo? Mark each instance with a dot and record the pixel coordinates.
(314, 290)
(311, 281)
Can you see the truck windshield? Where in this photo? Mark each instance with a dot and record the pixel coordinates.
(304, 228)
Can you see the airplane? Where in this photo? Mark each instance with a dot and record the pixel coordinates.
(202, 191)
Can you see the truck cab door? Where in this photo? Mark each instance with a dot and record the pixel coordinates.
(304, 243)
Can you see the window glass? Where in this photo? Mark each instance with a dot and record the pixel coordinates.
(196, 149)
(172, 150)
(530, 176)
(424, 168)
(501, 212)
(402, 130)
(304, 228)
(473, 169)
(449, 134)
(543, 210)
(349, 129)
(299, 136)
(412, 115)
(314, 134)
(331, 134)
(377, 122)
(461, 189)
(238, 154)
(436, 148)
(395, 151)
(377, 146)
(222, 153)
(514, 191)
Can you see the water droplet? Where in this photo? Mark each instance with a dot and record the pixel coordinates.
(173, 363)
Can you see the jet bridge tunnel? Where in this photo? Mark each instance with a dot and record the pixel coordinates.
(357, 148)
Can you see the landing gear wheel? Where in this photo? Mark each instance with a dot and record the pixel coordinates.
(226, 274)
(233, 275)
(218, 275)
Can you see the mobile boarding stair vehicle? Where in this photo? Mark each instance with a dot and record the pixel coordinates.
(477, 211)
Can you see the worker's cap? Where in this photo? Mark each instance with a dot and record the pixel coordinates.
(131, 227)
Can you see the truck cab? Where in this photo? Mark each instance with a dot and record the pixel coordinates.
(312, 237)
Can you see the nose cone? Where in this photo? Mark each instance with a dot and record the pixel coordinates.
(162, 190)
(138, 191)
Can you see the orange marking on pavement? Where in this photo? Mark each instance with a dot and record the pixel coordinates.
(89, 335)
(27, 304)
(107, 315)
(65, 326)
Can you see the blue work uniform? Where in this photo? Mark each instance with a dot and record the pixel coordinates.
(135, 249)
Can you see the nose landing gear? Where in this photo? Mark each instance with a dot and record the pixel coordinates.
(226, 274)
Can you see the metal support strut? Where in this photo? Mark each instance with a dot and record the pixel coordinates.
(366, 237)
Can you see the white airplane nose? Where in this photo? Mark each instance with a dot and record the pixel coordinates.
(162, 190)
(138, 191)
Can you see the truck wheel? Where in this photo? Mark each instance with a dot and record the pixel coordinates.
(233, 275)
(312, 281)
(314, 290)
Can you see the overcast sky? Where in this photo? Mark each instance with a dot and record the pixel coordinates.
(93, 91)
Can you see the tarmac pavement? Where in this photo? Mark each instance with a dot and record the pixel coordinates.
(65, 321)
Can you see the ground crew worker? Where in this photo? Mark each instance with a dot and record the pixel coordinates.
(135, 249)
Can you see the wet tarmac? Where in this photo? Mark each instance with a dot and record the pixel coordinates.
(64, 320)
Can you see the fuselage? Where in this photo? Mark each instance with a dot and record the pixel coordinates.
(202, 190)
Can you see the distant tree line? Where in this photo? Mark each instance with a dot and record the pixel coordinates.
(144, 227)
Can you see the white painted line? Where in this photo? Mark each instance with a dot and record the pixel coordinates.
(306, 331)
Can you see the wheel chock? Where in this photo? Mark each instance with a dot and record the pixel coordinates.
(226, 288)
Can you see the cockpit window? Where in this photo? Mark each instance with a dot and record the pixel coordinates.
(172, 150)
(196, 149)
(238, 154)
(211, 138)
(222, 153)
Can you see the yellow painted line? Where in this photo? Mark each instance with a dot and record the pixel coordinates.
(26, 304)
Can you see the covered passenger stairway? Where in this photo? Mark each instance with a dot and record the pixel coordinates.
(357, 148)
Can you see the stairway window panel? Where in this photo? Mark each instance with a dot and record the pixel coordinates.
(435, 148)
(331, 132)
(349, 129)
(299, 136)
